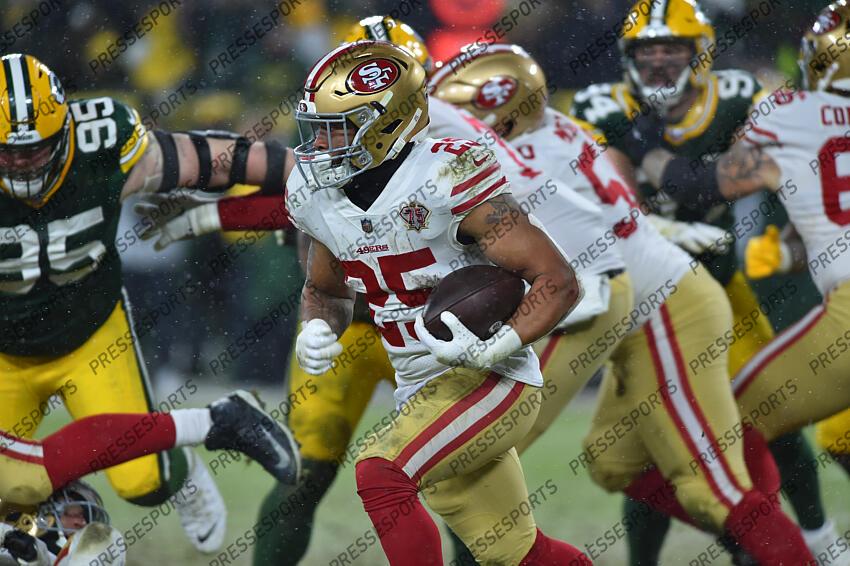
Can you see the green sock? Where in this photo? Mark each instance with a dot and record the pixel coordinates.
(462, 556)
(290, 511)
(646, 537)
(797, 467)
(178, 470)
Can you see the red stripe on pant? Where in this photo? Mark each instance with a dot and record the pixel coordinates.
(748, 374)
(691, 398)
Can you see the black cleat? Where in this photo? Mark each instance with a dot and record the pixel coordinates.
(240, 424)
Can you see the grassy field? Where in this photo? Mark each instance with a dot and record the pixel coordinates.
(578, 511)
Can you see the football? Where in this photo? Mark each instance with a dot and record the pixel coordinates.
(483, 297)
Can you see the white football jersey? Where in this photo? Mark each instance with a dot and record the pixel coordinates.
(406, 242)
(808, 135)
(572, 221)
(654, 264)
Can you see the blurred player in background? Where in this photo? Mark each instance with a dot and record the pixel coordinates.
(672, 294)
(794, 151)
(666, 54)
(30, 470)
(65, 325)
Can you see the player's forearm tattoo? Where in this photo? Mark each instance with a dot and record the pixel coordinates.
(500, 207)
(336, 311)
(743, 165)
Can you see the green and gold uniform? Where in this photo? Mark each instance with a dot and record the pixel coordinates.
(65, 325)
(706, 130)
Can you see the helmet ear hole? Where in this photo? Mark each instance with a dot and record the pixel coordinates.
(391, 127)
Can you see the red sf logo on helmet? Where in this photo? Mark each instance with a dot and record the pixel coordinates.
(826, 22)
(373, 76)
(495, 92)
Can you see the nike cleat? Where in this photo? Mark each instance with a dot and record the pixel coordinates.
(239, 423)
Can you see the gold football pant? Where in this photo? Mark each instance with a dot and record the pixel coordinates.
(569, 359)
(747, 315)
(803, 375)
(455, 439)
(23, 477)
(104, 375)
(655, 409)
(325, 410)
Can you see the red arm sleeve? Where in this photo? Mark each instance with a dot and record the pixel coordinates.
(254, 212)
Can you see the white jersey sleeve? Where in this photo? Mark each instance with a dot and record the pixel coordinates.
(562, 146)
(807, 134)
(570, 220)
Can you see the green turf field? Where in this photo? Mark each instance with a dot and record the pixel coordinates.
(576, 510)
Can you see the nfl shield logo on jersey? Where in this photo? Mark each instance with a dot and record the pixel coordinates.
(414, 215)
(366, 224)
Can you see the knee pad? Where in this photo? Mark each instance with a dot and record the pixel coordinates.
(382, 484)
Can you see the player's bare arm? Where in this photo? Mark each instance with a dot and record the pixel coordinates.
(506, 236)
(325, 294)
(742, 170)
(189, 167)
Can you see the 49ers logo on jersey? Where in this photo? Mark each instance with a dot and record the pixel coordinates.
(414, 215)
(373, 76)
(826, 22)
(495, 92)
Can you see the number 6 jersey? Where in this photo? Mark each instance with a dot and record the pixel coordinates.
(808, 136)
(60, 273)
(406, 242)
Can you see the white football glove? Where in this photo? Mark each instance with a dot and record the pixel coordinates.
(178, 215)
(695, 237)
(465, 348)
(316, 347)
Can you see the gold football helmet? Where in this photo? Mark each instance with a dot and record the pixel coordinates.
(385, 28)
(824, 57)
(670, 21)
(503, 86)
(363, 102)
(35, 128)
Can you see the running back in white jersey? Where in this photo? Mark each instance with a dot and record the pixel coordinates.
(406, 242)
(808, 136)
(655, 265)
(572, 221)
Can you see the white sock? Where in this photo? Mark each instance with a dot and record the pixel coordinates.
(191, 426)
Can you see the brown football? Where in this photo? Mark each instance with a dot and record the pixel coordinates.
(481, 296)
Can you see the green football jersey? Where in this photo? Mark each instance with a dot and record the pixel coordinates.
(706, 130)
(60, 272)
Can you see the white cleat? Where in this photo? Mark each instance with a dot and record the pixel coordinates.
(827, 545)
(201, 507)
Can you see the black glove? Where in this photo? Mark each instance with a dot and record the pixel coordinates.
(20, 545)
(646, 134)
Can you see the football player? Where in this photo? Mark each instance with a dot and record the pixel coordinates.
(31, 470)
(65, 167)
(324, 421)
(666, 49)
(794, 150)
(364, 148)
(696, 409)
(350, 153)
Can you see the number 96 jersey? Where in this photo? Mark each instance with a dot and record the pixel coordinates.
(60, 272)
(406, 242)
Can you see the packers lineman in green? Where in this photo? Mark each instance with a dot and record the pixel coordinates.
(65, 324)
(667, 48)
